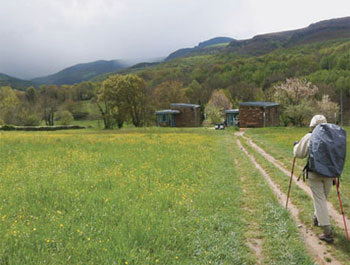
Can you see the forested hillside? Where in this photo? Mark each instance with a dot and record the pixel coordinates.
(193, 78)
(15, 83)
(326, 64)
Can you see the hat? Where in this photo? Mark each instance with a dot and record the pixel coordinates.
(316, 120)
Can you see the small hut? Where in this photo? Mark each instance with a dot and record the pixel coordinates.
(166, 118)
(258, 114)
(232, 117)
(180, 115)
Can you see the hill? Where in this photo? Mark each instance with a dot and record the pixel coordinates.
(81, 72)
(321, 31)
(15, 83)
(203, 47)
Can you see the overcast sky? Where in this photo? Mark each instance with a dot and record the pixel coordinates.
(40, 37)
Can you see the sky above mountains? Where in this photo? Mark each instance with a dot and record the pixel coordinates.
(40, 37)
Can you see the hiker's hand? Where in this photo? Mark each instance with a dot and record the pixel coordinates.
(295, 143)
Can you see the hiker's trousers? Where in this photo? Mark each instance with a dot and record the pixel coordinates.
(320, 187)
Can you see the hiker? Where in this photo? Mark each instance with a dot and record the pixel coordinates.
(320, 185)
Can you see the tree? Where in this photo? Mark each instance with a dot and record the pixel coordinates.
(9, 104)
(106, 97)
(31, 95)
(328, 108)
(49, 101)
(122, 96)
(133, 95)
(297, 99)
(217, 104)
(169, 92)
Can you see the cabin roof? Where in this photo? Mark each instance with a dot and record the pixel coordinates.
(264, 104)
(232, 111)
(184, 105)
(167, 111)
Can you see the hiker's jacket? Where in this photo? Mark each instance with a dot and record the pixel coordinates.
(301, 149)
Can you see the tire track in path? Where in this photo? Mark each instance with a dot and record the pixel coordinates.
(335, 215)
(317, 250)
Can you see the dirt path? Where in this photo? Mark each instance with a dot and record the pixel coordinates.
(317, 250)
(335, 215)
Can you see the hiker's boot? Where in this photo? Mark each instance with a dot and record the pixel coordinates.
(327, 234)
(314, 220)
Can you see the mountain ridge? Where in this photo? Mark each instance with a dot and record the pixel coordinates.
(264, 43)
(81, 72)
(202, 45)
(14, 82)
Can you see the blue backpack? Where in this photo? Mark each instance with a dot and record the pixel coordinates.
(327, 150)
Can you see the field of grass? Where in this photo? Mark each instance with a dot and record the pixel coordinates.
(138, 196)
(279, 143)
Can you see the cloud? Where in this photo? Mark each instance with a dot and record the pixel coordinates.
(40, 37)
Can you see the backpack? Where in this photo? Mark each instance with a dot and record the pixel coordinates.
(327, 150)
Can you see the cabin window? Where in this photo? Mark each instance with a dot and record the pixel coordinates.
(164, 118)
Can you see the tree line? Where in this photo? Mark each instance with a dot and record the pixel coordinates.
(133, 97)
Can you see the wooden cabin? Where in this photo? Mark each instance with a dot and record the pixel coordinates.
(180, 115)
(259, 114)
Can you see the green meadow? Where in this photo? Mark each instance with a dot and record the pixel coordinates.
(138, 196)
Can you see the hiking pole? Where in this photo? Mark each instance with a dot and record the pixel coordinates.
(341, 208)
(290, 181)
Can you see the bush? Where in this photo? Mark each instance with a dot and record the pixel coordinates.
(8, 127)
(31, 120)
(64, 117)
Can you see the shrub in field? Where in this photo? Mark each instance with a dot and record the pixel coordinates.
(64, 117)
(8, 127)
(32, 120)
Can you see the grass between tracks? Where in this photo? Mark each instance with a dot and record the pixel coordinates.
(266, 219)
(340, 248)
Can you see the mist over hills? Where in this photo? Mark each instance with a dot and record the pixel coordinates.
(326, 30)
